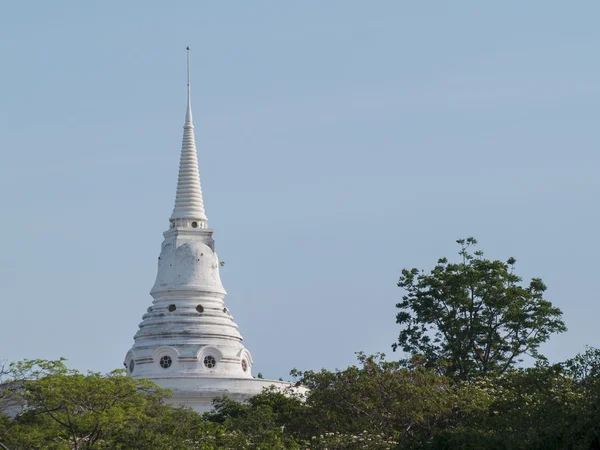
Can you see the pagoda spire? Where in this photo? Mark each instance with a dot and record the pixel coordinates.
(189, 205)
(188, 341)
(188, 114)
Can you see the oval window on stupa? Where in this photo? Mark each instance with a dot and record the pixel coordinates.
(210, 361)
(194, 224)
(200, 309)
(172, 308)
(131, 365)
(165, 362)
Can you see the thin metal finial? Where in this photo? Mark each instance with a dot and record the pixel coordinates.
(188, 116)
(188, 67)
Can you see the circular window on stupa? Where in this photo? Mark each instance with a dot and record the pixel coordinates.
(131, 365)
(172, 308)
(165, 362)
(210, 361)
(200, 309)
(244, 365)
(194, 224)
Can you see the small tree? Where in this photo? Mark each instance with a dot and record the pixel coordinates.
(61, 408)
(473, 317)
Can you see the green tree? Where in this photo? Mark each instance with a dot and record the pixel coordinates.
(391, 402)
(266, 421)
(374, 405)
(473, 317)
(585, 370)
(61, 408)
(538, 408)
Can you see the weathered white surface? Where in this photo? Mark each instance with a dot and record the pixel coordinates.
(188, 322)
(199, 394)
(11, 403)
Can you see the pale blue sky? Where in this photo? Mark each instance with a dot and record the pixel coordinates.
(339, 142)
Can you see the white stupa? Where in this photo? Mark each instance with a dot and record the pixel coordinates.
(188, 341)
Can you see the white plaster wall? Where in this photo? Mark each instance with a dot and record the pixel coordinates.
(188, 320)
(199, 396)
(188, 263)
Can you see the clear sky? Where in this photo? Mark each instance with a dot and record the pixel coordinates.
(339, 142)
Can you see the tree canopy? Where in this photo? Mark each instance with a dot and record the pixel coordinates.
(60, 408)
(374, 405)
(474, 316)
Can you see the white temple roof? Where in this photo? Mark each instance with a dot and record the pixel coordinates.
(188, 200)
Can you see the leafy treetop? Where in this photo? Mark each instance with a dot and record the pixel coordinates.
(473, 317)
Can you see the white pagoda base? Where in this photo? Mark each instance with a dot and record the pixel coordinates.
(199, 393)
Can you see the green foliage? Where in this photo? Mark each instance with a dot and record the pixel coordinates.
(473, 317)
(64, 409)
(585, 367)
(374, 405)
(377, 404)
(388, 400)
(544, 407)
(349, 441)
(269, 420)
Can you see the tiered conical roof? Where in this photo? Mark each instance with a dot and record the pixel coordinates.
(188, 200)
